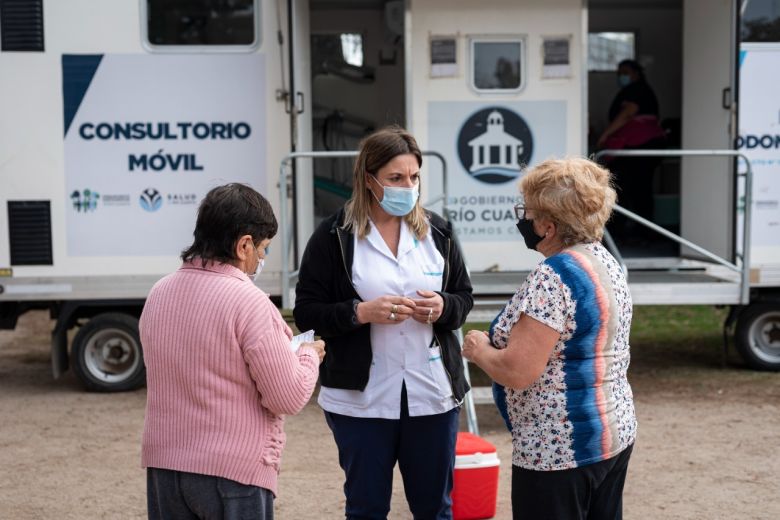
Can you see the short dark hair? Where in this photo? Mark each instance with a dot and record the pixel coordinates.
(226, 214)
(635, 66)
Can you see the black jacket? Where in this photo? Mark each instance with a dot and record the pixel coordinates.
(325, 301)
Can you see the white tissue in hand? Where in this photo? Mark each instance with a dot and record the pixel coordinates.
(305, 337)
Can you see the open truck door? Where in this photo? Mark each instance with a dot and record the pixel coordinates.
(709, 123)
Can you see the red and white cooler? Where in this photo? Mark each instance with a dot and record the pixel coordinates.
(475, 489)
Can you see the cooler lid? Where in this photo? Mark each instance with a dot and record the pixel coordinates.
(477, 461)
(468, 443)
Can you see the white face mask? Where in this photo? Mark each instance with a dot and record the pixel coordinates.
(260, 264)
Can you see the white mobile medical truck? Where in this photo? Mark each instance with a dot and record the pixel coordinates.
(116, 117)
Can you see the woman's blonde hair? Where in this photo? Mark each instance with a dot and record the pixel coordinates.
(575, 193)
(376, 150)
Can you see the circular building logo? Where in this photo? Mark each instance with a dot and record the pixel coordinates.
(150, 199)
(494, 145)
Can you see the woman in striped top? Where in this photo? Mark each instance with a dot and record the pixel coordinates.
(560, 347)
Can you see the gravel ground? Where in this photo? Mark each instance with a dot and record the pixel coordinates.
(707, 448)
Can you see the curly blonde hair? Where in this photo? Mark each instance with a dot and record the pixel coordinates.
(575, 193)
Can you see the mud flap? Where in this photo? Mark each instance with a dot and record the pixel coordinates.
(59, 350)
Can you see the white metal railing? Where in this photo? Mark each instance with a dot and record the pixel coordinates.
(613, 248)
(288, 232)
(744, 269)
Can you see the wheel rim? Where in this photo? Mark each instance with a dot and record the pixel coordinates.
(112, 355)
(765, 337)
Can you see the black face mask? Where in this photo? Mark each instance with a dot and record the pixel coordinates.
(526, 228)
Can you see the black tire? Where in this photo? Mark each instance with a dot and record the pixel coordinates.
(758, 336)
(106, 354)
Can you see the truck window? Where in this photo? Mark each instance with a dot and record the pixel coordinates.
(337, 48)
(760, 21)
(202, 22)
(607, 49)
(497, 64)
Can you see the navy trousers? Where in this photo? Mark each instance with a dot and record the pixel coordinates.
(424, 448)
(177, 495)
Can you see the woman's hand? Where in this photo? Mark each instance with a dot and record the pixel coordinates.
(318, 346)
(429, 308)
(475, 342)
(385, 310)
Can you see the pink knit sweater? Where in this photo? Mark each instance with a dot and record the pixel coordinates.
(220, 376)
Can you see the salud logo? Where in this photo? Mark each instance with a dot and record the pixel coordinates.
(494, 145)
(150, 199)
(84, 200)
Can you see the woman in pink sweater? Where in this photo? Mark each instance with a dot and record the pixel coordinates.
(221, 374)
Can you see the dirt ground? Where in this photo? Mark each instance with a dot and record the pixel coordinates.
(708, 443)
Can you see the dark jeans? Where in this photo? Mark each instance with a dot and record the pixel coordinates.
(592, 492)
(424, 448)
(175, 495)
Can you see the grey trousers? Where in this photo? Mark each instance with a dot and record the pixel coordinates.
(175, 495)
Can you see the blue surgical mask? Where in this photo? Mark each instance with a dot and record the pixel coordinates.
(624, 80)
(397, 201)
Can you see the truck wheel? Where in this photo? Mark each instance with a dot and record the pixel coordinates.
(758, 336)
(106, 354)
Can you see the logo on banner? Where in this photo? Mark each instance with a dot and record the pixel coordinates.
(150, 199)
(122, 199)
(182, 199)
(494, 145)
(85, 200)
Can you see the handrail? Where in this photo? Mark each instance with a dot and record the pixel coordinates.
(744, 269)
(613, 248)
(287, 231)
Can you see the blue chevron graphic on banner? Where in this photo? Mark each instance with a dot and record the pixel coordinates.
(77, 73)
